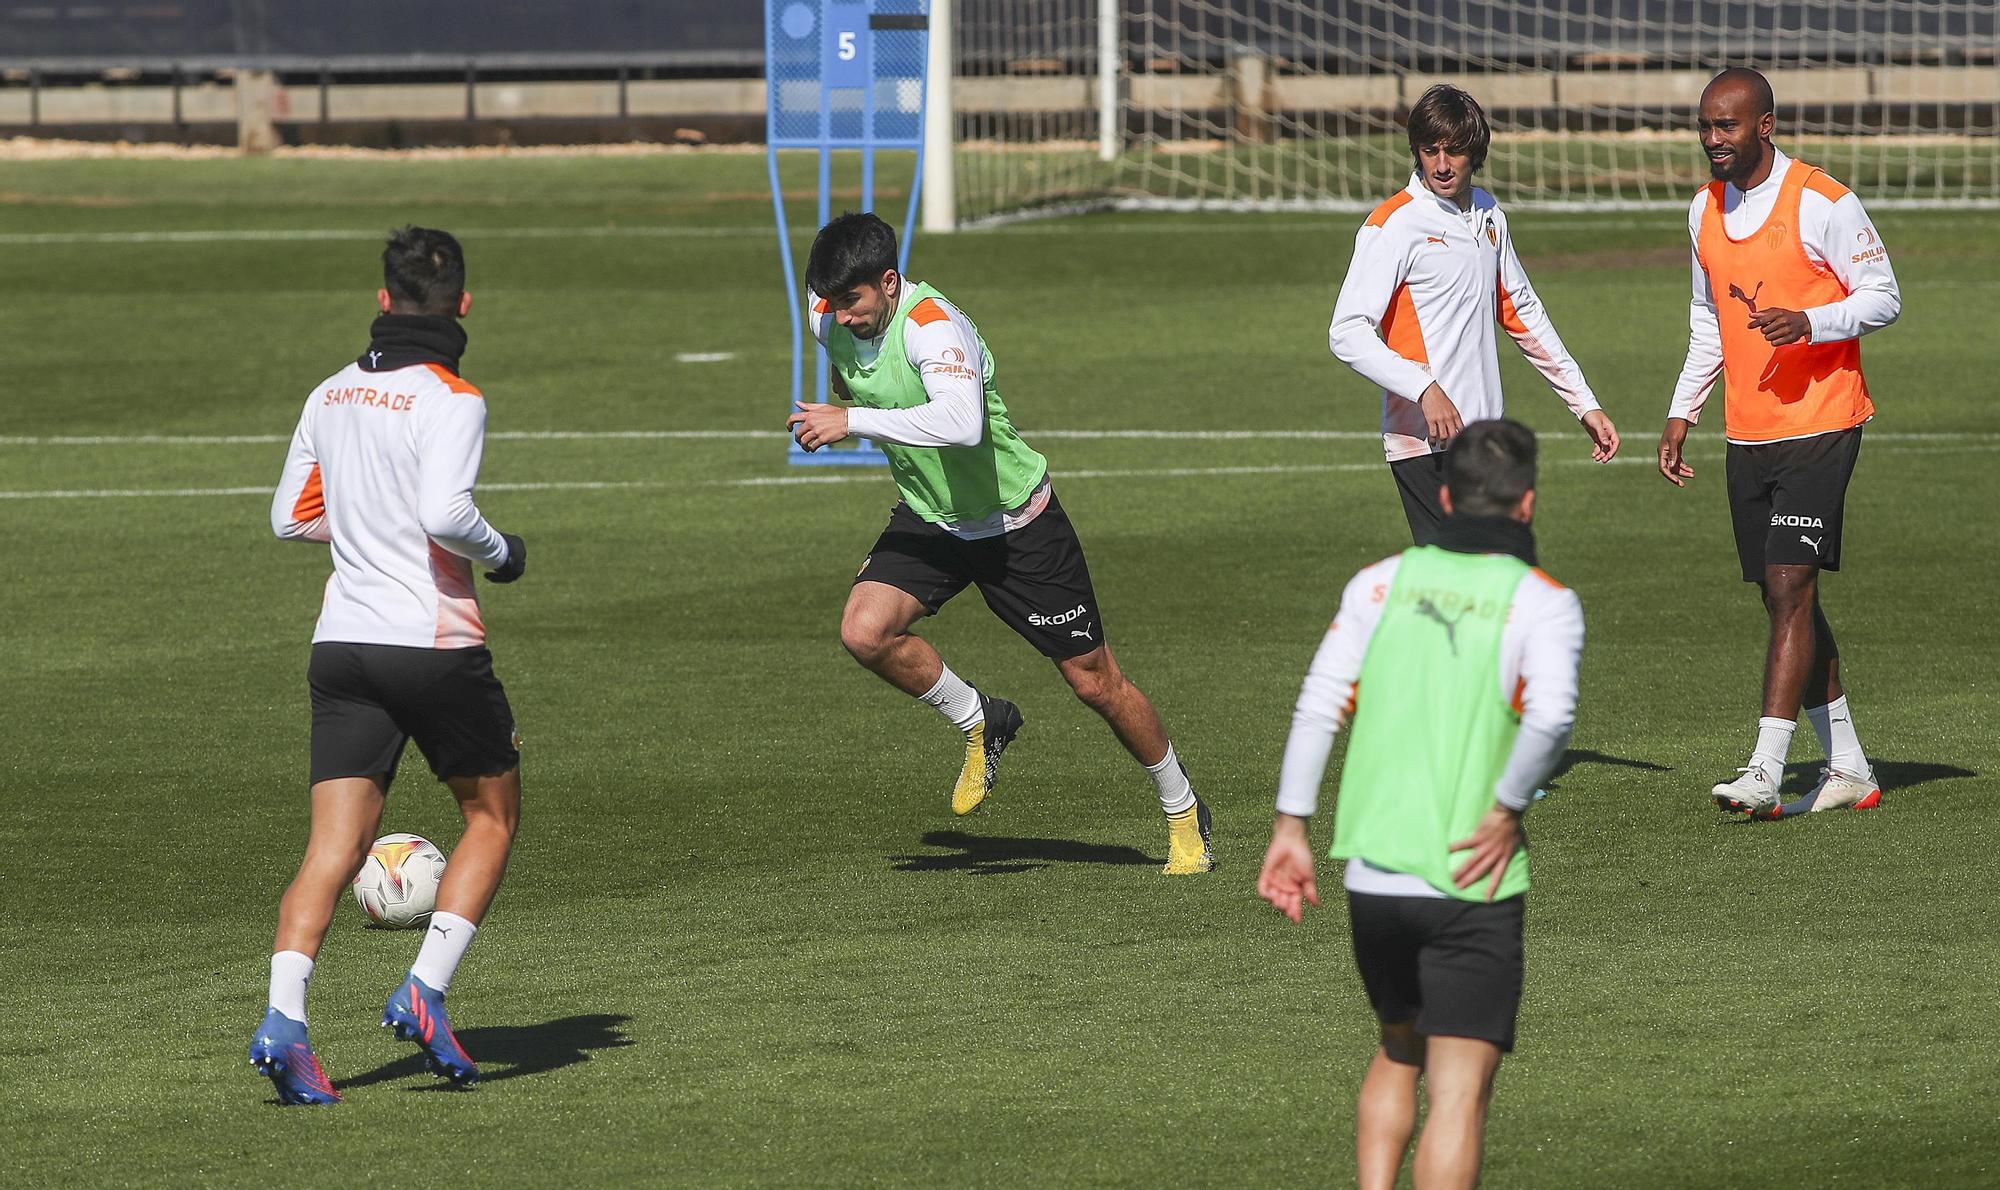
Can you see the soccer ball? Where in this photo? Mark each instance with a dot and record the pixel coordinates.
(397, 886)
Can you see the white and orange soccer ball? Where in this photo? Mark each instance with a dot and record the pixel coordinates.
(398, 883)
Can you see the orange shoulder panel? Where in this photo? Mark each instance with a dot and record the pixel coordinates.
(928, 311)
(1546, 577)
(1825, 187)
(1387, 209)
(455, 382)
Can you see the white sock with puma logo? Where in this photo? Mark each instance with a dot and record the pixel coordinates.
(445, 940)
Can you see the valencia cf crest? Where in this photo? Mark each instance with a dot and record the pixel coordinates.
(1492, 236)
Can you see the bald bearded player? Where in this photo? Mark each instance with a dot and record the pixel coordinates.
(1789, 273)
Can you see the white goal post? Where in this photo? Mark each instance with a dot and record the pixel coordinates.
(1054, 106)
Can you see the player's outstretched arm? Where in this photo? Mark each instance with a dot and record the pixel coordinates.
(1603, 435)
(1287, 879)
(1527, 322)
(1673, 466)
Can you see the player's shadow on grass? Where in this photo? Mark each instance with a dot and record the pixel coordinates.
(1894, 776)
(1577, 756)
(513, 1051)
(997, 855)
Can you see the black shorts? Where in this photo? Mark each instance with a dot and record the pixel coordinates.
(1034, 578)
(1786, 498)
(367, 700)
(1417, 481)
(1453, 967)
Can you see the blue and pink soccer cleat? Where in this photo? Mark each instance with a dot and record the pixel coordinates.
(280, 1052)
(416, 1013)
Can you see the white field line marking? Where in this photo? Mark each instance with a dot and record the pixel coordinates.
(248, 235)
(877, 477)
(290, 235)
(773, 435)
(773, 481)
(705, 357)
(154, 493)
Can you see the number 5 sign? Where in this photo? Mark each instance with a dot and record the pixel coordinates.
(848, 60)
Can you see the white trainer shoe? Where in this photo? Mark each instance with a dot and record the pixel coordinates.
(1752, 792)
(1839, 790)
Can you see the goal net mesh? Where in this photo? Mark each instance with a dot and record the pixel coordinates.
(1268, 104)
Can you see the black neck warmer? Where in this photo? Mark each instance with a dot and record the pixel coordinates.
(401, 340)
(1487, 535)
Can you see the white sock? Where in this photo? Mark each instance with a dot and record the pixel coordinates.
(445, 940)
(1774, 741)
(1834, 724)
(1176, 795)
(956, 700)
(289, 972)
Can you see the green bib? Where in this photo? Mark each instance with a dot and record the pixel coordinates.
(945, 484)
(1432, 729)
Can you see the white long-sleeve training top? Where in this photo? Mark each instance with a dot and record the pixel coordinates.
(382, 466)
(945, 352)
(948, 359)
(1424, 288)
(1540, 650)
(1837, 235)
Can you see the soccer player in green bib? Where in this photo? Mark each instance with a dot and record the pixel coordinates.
(1457, 661)
(977, 509)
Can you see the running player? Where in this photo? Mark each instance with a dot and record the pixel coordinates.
(382, 466)
(1788, 275)
(1457, 662)
(977, 508)
(1433, 269)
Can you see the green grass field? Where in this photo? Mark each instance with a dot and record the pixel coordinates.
(743, 940)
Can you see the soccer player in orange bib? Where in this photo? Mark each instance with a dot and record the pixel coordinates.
(1788, 275)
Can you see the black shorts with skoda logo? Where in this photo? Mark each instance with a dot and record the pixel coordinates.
(1786, 500)
(1034, 577)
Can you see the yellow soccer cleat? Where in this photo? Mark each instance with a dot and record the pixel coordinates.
(1188, 851)
(983, 746)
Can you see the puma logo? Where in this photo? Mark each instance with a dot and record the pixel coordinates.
(374, 358)
(1809, 541)
(1084, 632)
(1426, 608)
(1434, 239)
(1736, 292)
(445, 930)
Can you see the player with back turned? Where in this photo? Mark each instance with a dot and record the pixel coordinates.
(977, 508)
(1457, 663)
(1788, 275)
(382, 467)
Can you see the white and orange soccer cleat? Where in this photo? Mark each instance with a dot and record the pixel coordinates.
(1837, 790)
(1752, 792)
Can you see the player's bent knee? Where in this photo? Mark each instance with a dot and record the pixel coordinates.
(1096, 689)
(866, 642)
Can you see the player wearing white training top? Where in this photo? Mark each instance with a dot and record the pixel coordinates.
(382, 467)
(1788, 275)
(1458, 664)
(1434, 268)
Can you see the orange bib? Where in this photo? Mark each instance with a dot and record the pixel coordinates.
(1801, 388)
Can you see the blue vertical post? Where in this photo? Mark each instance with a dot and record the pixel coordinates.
(841, 75)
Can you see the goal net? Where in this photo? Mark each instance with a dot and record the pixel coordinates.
(1062, 105)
